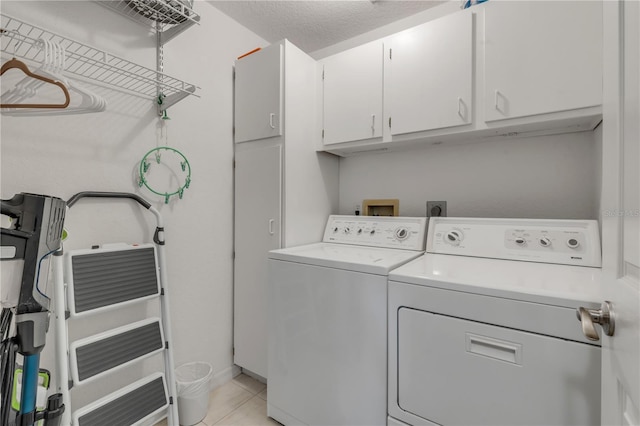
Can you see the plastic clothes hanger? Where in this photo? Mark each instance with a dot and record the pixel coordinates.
(28, 87)
(53, 66)
(89, 101)
(16, 64)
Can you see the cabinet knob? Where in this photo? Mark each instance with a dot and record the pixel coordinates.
(373, 124)
(272, 117)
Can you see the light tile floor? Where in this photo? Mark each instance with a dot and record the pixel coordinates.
(240, 402)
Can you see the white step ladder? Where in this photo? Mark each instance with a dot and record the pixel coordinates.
(107, 280)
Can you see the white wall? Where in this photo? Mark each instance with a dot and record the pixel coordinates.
(67, 154)
(539, 177)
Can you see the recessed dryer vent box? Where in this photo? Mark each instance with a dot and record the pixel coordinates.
(389, 207)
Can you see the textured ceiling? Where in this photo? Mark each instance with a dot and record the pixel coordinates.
(316, 24)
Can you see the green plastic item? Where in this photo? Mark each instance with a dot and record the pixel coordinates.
(44, 378)
(160, 101)
(145, 166)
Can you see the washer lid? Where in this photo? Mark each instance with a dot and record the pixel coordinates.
(371, 260)
(559, 285)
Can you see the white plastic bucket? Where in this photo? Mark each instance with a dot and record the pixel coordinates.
(192, 382)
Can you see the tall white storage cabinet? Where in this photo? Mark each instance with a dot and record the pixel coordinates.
(284, 189)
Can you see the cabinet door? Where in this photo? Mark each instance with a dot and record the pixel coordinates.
(541, 57)
(352, 89)
(257, 230)
(431, 75)
(258, 95)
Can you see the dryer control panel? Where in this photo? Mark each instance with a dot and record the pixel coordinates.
(407, 233)
(568, 242)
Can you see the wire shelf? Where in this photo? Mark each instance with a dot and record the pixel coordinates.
(19, 38)
(168, 17)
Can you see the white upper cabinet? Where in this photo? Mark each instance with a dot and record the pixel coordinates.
(501, 68)
(541, 57)
(258, 95)
(431, 75)
(352, 90)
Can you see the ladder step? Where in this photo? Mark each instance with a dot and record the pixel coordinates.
(108, 278)
(131, 405)
(114, 349)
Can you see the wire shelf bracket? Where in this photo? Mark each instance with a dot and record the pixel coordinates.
(169, 101)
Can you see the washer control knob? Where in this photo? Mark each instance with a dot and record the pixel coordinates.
(521, 241)
(335, 229)
(373, 231)
(454, 237)
(359, 231)
(544, 241)
(402, 234)
(347, 230)
(573, 243)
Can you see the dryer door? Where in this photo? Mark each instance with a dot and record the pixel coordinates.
(453, 371)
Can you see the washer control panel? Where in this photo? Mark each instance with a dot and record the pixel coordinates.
(569, 242)
(408, 233)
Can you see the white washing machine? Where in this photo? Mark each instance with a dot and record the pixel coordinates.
(483, 327)
(327, 305)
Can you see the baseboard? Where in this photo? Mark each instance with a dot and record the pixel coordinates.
(254, 375)
(224, 376)
(282, 417)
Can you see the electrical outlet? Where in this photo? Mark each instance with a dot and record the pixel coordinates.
(436, 208)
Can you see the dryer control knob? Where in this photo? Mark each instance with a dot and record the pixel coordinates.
(454, 237)
(545, 241)
(521, 241)
(401, 234)
(573, 243)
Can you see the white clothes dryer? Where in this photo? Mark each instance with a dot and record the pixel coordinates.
(327, 305)
(483, 328)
